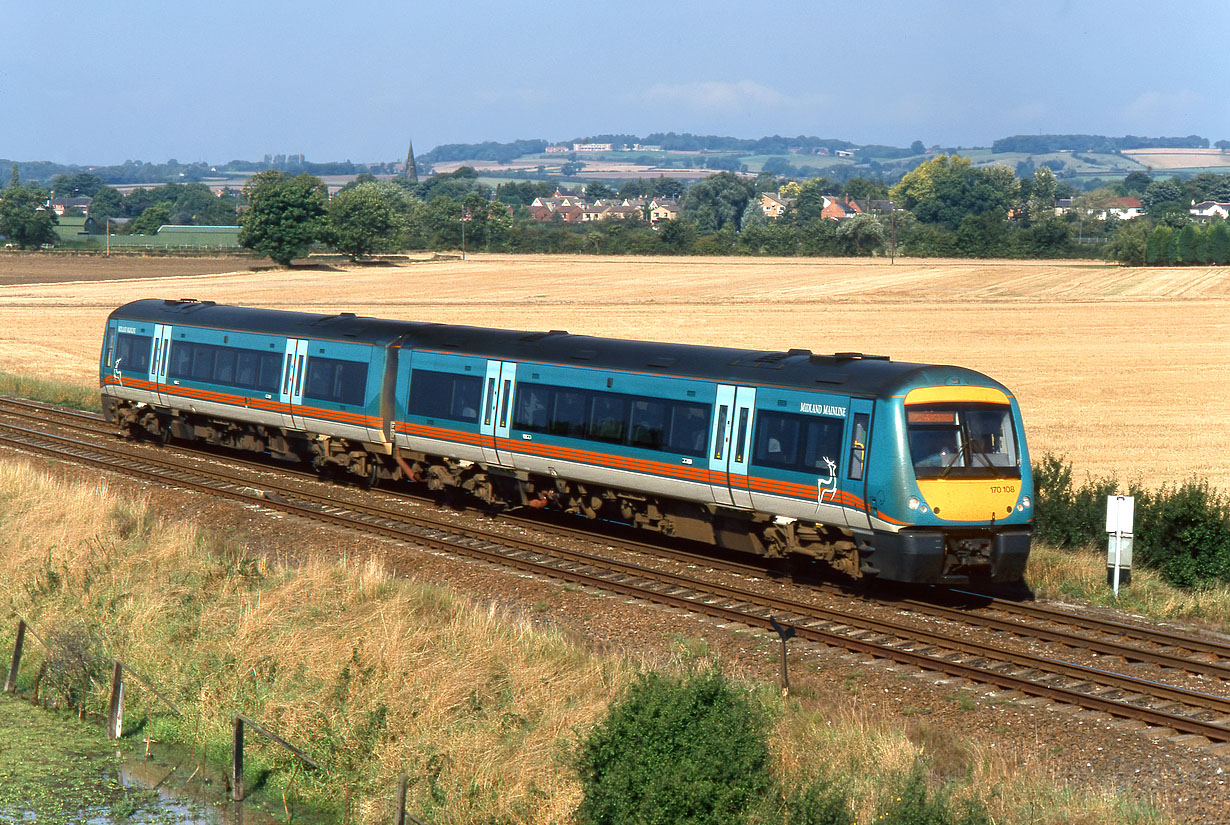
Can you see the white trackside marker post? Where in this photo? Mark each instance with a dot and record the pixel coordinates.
(1119, 515)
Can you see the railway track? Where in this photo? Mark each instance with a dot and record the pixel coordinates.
(935, 649)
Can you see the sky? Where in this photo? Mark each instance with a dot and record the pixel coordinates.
(98, 83)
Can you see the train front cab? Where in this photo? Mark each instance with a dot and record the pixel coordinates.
(963, 512)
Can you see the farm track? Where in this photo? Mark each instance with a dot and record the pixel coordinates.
(942, 643)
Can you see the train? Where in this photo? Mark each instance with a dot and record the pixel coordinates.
(886, 470)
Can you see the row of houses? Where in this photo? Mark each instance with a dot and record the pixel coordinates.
(567, 207)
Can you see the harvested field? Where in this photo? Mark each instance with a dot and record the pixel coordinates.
(1125, 371)
(1179, 158)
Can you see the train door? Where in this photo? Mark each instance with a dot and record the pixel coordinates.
(731, 444)
(292, 383)
(497, 410)
(159, 359)
(859, 448)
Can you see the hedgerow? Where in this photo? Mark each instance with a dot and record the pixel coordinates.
(1182, 531)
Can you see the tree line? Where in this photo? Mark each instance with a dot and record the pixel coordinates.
(943, 207)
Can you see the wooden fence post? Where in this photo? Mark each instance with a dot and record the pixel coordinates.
(115, 707)
(399, 817)
(10, 684)
(237, 762)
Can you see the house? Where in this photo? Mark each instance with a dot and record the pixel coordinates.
(1210, 209)
(663, 209)
(838, 210)
(774, 206)
(63, 205)
(1125, 209)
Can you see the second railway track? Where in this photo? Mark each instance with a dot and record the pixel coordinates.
(1202, 712)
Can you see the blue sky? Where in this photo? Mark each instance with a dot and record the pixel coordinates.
(102, 82)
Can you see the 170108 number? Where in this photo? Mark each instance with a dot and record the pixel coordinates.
(1003, 488)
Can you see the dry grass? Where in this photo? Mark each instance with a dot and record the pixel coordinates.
(1179, 158)
(1081, 575)
(1121, 370)
(375, 675)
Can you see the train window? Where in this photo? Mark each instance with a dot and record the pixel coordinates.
(689, 428)
(286, 381)
(202, 368)
(648, 427)
(331, 379)
(858, 446)
(533, 403)
(132, 352)
(270, 372)
(608, 418)
(568, 413)
(962, 440)
(504, 403)
(742, 435)
(646, 423)
(803, 443)
(248, 367)
(224, 365)
(720, 441)
(181, 359)
(445, 395)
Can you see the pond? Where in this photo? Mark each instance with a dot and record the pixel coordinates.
(56, 769)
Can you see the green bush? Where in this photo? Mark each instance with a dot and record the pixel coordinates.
(1183, 532)
(1065, 515)
(676, 750)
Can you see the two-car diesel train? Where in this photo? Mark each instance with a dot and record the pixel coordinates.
(905, 472)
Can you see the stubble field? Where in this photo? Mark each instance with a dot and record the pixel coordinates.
(1123, 371)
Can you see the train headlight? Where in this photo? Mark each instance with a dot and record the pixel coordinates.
(913, 503)
(1024, 505)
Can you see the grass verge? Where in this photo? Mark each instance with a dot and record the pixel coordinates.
(1080, 575)
(71, 394)
(374, 675)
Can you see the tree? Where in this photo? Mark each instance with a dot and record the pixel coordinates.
(362, 221)
(107, 203)
(285, 215)
(1130, 243)
(1189, 238)
(149, 221)
(1162, 192)
(864, 189)
(1157, 250)
(1042, 194)
(675, 751)
(947, 189)
(1136, 183)
(716, 201)
(82, 184)
(24, 218)
(1219, 243)
(861, 234)
(599, 191)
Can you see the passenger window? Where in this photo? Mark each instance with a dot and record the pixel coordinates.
(609, 419)
(445, 395)
(648, 424)
(568, 414)
(689, 428)
(802, 443)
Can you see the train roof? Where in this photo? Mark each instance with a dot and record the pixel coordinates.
(844, 372)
